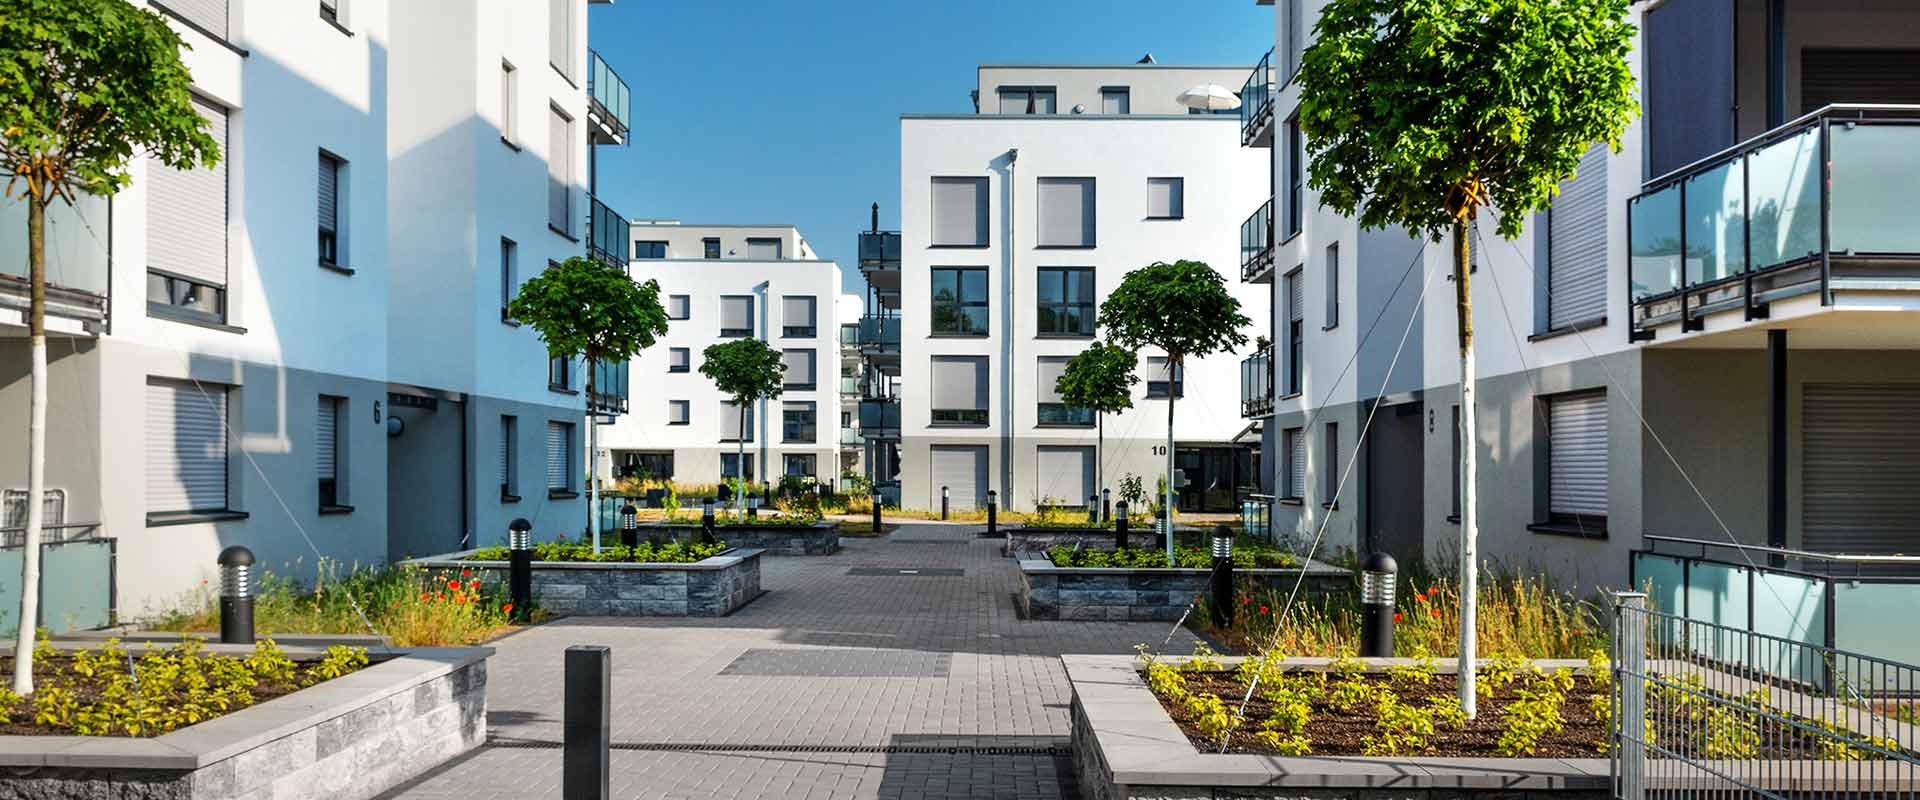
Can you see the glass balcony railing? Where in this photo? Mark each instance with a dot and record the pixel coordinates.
(880, 334)
(77, 262)
(1256, 245)
(608, 94)
(851, 437)
(1256, 105)
(610, 387)
(1256, 383)
(608, 234)
(850, 335)
(880, 418)
(849, 385)
(1803, 208)
(880, 250)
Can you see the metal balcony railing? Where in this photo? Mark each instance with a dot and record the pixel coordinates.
(609, 235)
(1256, 245)
(608, 96)
(880, 334)
(1256, 383)
(879, 250)
(78, 267)
(1820, 203)
(880, 418)
(1256, 104)
(610, 387)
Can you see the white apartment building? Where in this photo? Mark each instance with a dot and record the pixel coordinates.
(1710, 337)
(1016, 221)
(301, 350)
(720, 282)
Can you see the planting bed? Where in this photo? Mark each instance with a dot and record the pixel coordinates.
(711, 587)
(817, 538)
(1041, 539)
(1050, 591)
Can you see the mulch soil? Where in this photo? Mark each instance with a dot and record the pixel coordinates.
(57, 671)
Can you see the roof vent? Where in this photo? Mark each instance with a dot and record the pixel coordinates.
(1146, 59)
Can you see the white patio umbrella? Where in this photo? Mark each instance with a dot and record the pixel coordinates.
(1209, 97)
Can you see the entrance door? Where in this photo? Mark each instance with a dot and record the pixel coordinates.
(1396, 482)
(424, 477)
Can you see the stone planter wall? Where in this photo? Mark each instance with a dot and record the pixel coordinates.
(1050, 592)
(352, 737)
(713, 587)
(1034, 542)
(818, 539)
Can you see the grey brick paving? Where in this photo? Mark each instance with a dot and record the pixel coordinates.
(1002, 687)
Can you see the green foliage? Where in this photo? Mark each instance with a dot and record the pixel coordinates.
(1182, 308)
(1184, 558)
(645, 553)
(1101, 378)
(414, 607)
(1536, 714)
(745, 370)
(1418, 112)
(585, 309)
(1131, 490)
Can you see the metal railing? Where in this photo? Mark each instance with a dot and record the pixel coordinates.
(1256, 245)
(1256, 104)
(1698, 709)
(609, 235)
(608, 94)
(1775, 216)
(880, 334)
(611, 387)
(879, 249)
(1256, 383)
(880, 418)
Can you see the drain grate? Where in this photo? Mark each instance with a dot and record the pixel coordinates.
(837, 662)
(691, 747)
(910, 572)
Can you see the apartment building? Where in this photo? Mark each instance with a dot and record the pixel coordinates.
(1016, 221)
(1709, 337)
(301, 350)
(721, 282)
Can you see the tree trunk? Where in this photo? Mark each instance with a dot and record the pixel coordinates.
(36, 443)
(1099, 466)
(1469, 532)
(1172, 365)
(593, 461)
(740, 466)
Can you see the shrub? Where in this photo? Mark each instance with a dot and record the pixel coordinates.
(1183, 557)
(645, 553)
(411, 605)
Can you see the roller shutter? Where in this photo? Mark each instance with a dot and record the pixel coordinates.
(210, 15)
(1859, 469)
(730, 423)
(1577, 245)
(559, 171)
(1051, 368)
(763, 249)
(1066, 212)
(1577, 455)
(960, 212)
(1296, 487)
(186, 446)
(1858, 75)
(559, 455)
(329, 198)
(507, 426)
(326, 439)
(1165, 198)
(959, 384)
(963, 470)
(800, 369)
(797, 312)
(736, 314)
(1065, 475)
(187, 211)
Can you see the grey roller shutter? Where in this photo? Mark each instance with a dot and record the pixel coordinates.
(1333, 284)
(763, 249)
(187, 211)
(959, 384)
(680, 358)
(559, 171)
(326, 438)
(1065, 473)
(210, 15)
(1330, 468)
(1296, 463)
(1577, 455)
(799, 364)
(1296, 297)
(559, 455)
(1577, 244)
(960, 212)
(1166, 197)
(186, 446)
(329, 193)
(560, 35)
(506, 454)
(963, 470)
(1859, 473)
(736, 313)
(797, 312)
(730, 418)
(1858, 75)
(1066, 212)
(1115, 102)
(1051, 369)
(679, 306)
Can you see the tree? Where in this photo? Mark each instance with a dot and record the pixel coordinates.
(1182, 308)
(587, 310)
(85, 85)
(748, 371)
(1418, 114)
(1100, 379)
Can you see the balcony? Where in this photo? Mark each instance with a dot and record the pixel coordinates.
(880, 335)
(1256, 246)
(880, 419)
(609, 235)
(1256, 105)
(610, 387)
(77, 265)
(851, 437)
(607, 101)
(1256, 384)
(1815, 206)
(879, 250)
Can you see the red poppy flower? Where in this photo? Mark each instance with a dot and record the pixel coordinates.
(1246, 601)
(1436, 612)
(1263, 609)
(506, 608)
(1433, 590)
(454, 585)
(466, 573)
(1419, 598)
(423, 595)
(1396, 616)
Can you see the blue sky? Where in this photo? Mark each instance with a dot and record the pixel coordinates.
(757, 111)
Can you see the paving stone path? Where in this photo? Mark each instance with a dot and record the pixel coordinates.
(896, 668)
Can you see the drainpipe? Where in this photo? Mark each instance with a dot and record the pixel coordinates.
(1776, 442)
(766, 335)
(1007, 337)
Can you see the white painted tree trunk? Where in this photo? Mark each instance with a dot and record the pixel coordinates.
(1168, 533)
(1099, 464)
(593, 461)
(36, 445)
(1469, 444)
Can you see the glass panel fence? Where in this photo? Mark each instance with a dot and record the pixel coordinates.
(1655, 249)
(1875, 171)
(1783, 188)
(1716, 224)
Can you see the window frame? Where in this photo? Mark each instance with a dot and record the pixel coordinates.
(810, 426)
(800, 331)
(509, 277)
(1332, 272)
(1032, 93)
(686, 411)
(570, 454)
(1330, 474)
(710, 248)
(1569, 523)
(510, 105)
(1064, 414)
(678, 368)
(736, 333)
(332, 497)
(333, 240)
(1293, 448)
(1296, 332)
(1178, 198)
(561, 174)
(560, 367)
(813, 356)
(962, 417)
(1179, 381)
(686, 307)
(982, 211)
(1125, 93)
(1088, 308)
(1089, 211)
(510, 468)
(960, 303)
(649, 243)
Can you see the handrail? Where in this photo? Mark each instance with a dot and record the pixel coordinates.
(1789, 127)
(1834, 557)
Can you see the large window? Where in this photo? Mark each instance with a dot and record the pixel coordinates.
(559, 172)
(800, 465)
(509, 452)
(187, 232)
(1160, 384)
(800, 372)
(959, 212)
(1027, 100)
(560, 374)
(559, 458)
(736, 423)
(1296, 314)
(1066, 301)
(648, 251)
(1296, 177)
(1066, 212)
(651, 466)
(186, 446)
(730, 466)
(959, 390)
(736, 315)
(798, 318)
(1333, 287)
(509, 106)
(326, 452)
(959, 301)
(332, 176)
(1166, 198)
(798, 423)
(1116, 100)
(1052, 410)
(1577, 462)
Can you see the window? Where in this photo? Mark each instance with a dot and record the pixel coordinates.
(1577, 461)
(1166, 198)
(679, 306)
(959, 301)
(1296, 176)
(1026, 100)
(800, 465)
(332, 174)
(649, 250)
(710, 248)
(1330, 468)
(678, 412)
(326, 451)
(732, 418)
(1052, 410)
(1296, 39)
(800, 369)
(560, 374)
(798, 423)
(736, 315)
(559, 458)
(509, 278)
(330, 11)
(1115, 100)
(186, 446)
(679, 359)
(959, 212)
(959, 390)
(509, 106)
(730, 466)
(654, 466)
(509, 454)
(1296, 313)
(187, 232)
(1157, 378)
(1333, 287)
(1065, 212)
(560, 172)
(560, 36)
(1066, 301)
(797, 317)
(1576, 271)
(1294, 479)
(763, 249)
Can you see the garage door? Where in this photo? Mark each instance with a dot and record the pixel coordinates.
(1861, 464)
(963, 470)
(1065, 475)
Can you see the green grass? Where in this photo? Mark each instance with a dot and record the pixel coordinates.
(414, 607)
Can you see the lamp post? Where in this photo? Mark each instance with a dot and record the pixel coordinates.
(1222, 576)
(943, 504)
(1093, 509)
(520, 568)
(706, 521)
(1120, 526)
(1377, 577)
(993, 512)
(876, 512)
(630, 525)
(236, 595)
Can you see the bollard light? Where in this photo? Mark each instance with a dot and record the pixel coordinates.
(1093, 509)
(1106, 505)
(236, 595)
(876, 512)
(993, 512)
(1222, 576)
(943, 503)
(1120, 525)
(1377, 577)
(706, 522)
(630, 525)
(520, 568)
(586, 723)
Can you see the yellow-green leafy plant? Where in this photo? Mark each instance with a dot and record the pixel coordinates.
(1408, 676)
(1350, 694)
(1204, 659)
(1263, 669)
(1286, 745)
(1166, 682)
(1536, 713)
(1211, 715)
